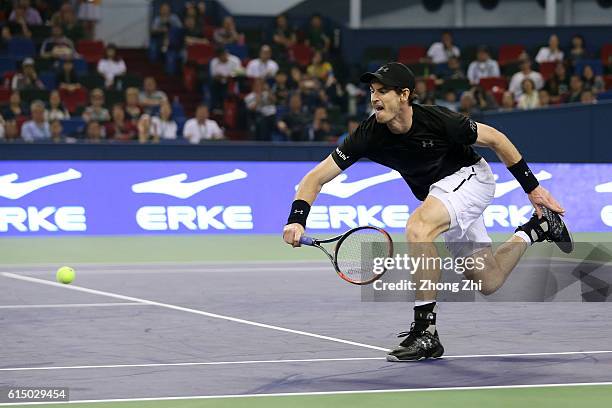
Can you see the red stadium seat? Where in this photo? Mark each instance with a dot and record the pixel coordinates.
(411, 54)
(74, 99)
(430, 83)
(200, 53)
(301, 53)
(509, 53)
(5, 95)
(547, 69)
(608, 81)
(491, 82)
(498, 94)
(209, 32)
(189, 77)
(92, 51)
(606, 53)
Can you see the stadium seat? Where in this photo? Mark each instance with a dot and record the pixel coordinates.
(74, 99)
(200, 53)
(91, 81)
(5, 94)
(606, 53)
(49, 78)
(410, 54)
(458, 85)
(7, 64)
(238, 50)
(29, 95)
(604, 96)
(73, 126)
(21, 48)
(44, 64)
(80, 66)
(91, 51)
(594, 63)
(430, 83)
(490, 82)
(547, 69)
(608, 81)
(209, 32)
(383, 54)
(498, 94)
(126, 81)
(301, 53)
(509, 53)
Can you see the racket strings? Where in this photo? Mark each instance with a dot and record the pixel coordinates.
(357, 252)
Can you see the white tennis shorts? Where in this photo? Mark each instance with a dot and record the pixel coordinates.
(466, 194)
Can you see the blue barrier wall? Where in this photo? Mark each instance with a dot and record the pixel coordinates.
(567, 134)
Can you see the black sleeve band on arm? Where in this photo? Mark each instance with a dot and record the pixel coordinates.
(299, 212)
(522, 173)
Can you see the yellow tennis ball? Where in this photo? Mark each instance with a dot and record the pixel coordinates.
(65, 274)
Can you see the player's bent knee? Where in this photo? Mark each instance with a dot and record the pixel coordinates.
(418, 230)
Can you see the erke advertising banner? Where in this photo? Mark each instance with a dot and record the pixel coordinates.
(123, 197)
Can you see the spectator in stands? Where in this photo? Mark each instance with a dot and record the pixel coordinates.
(263, 67)
(312, 93)
(449, 100)
(24, 12)
(552, 53)
(201, 127)
(37, 128)
(66, 18)
(150, 97)
(319, 129)
(1, 128)
(119, 128)
(5, 38)
(483, 67)
(352, 124)
(160, 31)
(132, 105)
(146, 130)
(198, 12)
(423, 95)
(592, 82)
(576, 88)
(27, 78)
(451, 70)
(526, 72)
(96, 111)
(227, 33)
(529, 98)
(439, 52)
(261, 108)
(578, 51)
(89, 14)
(467, 104)
(67, 78)
(544, 98)
(588, 97)
(192, 33)
(57, 131)
(558, 84)
(608, 66)
(222, 68)
(15, 108)
(111, 66)
(507, 103)
(484, 99)
(319, 68)
(280, 89)
(56, 110)
(284, 36)
(17, 26)
(316, 36)
(164, 126)
(94, 132)
(293, 123)
(58, 45)
(11, 130)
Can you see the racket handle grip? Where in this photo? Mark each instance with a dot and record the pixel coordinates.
(306, 241)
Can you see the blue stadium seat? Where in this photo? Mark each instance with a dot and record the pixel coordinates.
(180, 124)
(7, 64)
(21, 48)
(177, 109)
(49, 78)
(73, 126)
(80, 66)
(594, 63)
(238, 50)
(604, 96)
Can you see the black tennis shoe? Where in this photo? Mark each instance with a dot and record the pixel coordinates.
(548, 228)
(418, 345)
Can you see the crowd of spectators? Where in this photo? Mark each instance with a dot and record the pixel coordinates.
(287, 85)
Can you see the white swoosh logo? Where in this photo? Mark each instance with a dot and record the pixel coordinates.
(174, 186)
(12, 190)
(604, 188)
(338, 188)
(505, 187)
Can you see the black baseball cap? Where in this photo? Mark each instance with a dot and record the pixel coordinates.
(393, 74)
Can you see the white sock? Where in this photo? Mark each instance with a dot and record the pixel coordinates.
(523, 235)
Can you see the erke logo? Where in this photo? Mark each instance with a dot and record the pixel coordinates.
(342, 155)
(175, 217)
(298, 212)
(383, 69)
(427, 143)
(67, 218)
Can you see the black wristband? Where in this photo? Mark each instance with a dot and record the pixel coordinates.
(299, 212)
(522, 173)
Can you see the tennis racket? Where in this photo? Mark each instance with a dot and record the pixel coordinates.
(354, 253)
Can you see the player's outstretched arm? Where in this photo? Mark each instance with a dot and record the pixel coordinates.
(510, 156)
(307, 192)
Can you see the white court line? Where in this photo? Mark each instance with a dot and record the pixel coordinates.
(247, 269)
(188, 310)
(70, 305)
(307, 360)
(301, 394)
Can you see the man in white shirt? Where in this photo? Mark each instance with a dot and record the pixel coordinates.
(552, 53)
(223, 67)
(483, 67)
(439, 52)
(201, 128)
(525, 72)
(264, 66)
(37, 128)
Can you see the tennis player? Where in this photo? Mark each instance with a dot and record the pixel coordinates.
(431, 147)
